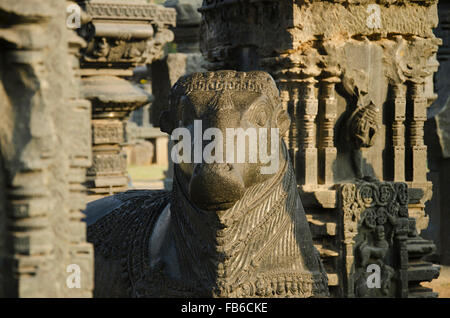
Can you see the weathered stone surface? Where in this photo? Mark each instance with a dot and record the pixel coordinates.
(225, 230)
(135, 39)
(44, 150)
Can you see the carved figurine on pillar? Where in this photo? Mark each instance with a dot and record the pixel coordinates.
(377, 252)
(362, 127)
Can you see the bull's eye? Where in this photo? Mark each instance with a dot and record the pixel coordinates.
(261, 118)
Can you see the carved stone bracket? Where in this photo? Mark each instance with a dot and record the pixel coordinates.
(398, 131)
(125, 32)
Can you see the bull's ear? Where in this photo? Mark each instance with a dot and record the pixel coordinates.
(283, 121)
(166, 122)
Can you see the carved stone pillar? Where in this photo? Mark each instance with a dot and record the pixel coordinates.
(80, 155)
(328, 115)
(44, 150)
(398, 131)
(120, 35)
(363, 80)
(418, 148)
(290, 89)
(307, 155)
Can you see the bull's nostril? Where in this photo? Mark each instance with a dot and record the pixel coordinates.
(224, 167)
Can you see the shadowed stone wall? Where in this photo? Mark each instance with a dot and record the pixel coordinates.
(437, 136)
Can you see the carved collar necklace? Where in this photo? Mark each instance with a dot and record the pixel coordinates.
(238, 252)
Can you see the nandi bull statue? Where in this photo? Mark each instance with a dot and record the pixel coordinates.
(226, 229)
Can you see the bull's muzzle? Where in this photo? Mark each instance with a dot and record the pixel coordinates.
(216, 186)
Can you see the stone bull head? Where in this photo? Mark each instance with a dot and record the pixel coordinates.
(246, 104)
(226, 229)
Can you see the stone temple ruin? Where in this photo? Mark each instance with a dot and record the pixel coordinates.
(358, 88)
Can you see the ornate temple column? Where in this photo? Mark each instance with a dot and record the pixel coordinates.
(398, 131)
(306, 157)
(80, 156)
(328, 116)
(362, 70)
(417, 146)
(44, 150)
(290, 89)
(120, 35)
